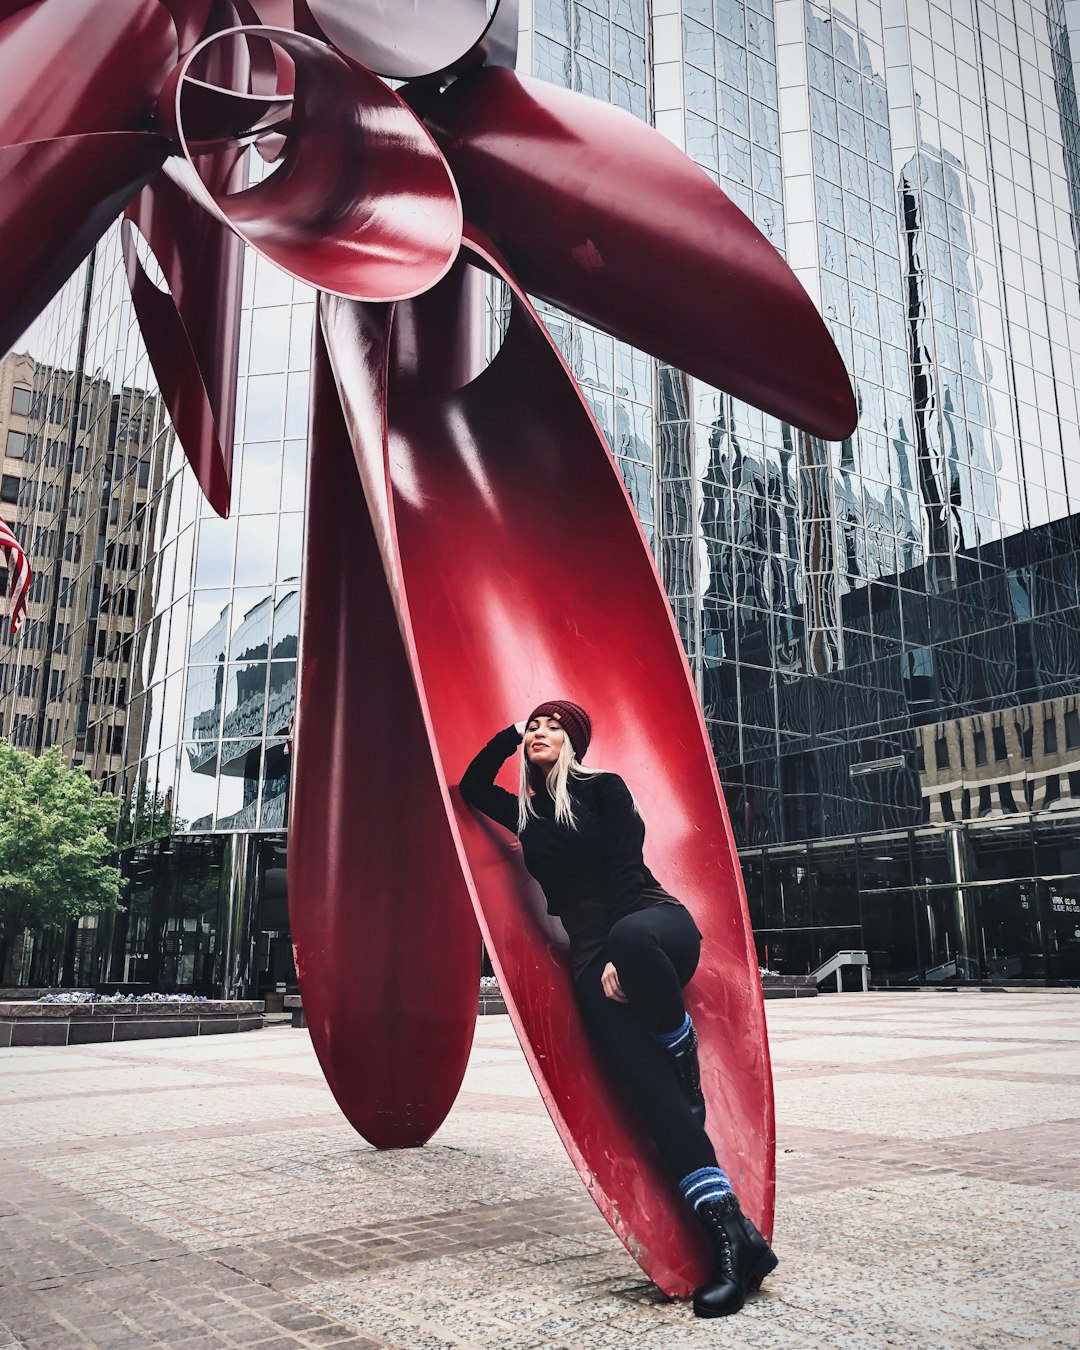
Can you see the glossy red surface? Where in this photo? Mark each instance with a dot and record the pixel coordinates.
(46, 238)
(389, 231)
(521, 573)
(73, 151)
(190, 18)
(407, 41)
(599, 214)
(192, 334)
(387, 949)
(114, 58)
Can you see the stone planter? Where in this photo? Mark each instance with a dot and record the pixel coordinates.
(491, 1000)
(31, 1023)
(788, 986)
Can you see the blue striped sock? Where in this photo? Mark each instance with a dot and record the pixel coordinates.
(676, 1040)
(705, 1185)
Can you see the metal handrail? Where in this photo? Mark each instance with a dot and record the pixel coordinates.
(835, 965)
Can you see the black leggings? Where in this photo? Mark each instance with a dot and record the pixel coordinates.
(655, 952)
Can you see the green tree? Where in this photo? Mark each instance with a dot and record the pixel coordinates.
(57, 835)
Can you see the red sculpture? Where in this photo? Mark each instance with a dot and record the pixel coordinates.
(449, 503)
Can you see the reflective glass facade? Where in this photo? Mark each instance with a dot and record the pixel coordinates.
(885, 631)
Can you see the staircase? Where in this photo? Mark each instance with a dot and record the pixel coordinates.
(835, 966)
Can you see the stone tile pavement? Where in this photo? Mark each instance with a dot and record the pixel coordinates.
(204, 1193)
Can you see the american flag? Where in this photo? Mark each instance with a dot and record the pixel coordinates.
(21, 574)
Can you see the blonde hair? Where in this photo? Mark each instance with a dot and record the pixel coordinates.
(557, 782)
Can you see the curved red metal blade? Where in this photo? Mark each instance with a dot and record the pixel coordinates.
(78, 66)
(387, 949)
(597, 213)
(191, 18)
(406, 42)
(523, 573)
(59, 198)
(192, 333)
(384, 230)
(73, 150)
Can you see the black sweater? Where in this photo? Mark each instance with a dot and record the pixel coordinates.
(591, 876)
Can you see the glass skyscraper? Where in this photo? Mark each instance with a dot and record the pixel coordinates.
(885, 631)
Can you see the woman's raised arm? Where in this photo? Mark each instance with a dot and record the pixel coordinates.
(477, 784)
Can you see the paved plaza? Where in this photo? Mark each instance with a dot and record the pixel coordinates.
(206, 1193)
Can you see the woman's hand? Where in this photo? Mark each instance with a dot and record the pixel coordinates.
(519, 727)
(610, 980)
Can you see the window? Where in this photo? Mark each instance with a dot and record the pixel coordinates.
(1072, 729)
(980, 747)
(9, 488)
(20, 400)
(27, 681)
(16, 444)
(1050, 736)
(115, 743)
(62, 637)
(1001, 750)
(941, 752)
(56, 684)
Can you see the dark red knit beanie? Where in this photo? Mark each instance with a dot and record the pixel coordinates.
(574, 721)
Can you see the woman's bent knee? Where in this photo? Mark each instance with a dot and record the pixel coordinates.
(628, 935)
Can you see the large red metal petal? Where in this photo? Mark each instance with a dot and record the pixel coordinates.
(405, 42)
(597, 213)
(522, 573)
(387, 949)
(70, 66)
(59, 197)
(191, 18)
(80, 81)
(192, 334)
(362, 203)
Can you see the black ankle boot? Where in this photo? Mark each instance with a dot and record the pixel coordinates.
(742, 1258)
(689, 1074)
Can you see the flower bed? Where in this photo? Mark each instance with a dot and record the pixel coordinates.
(78, 1018)
(81, 996)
